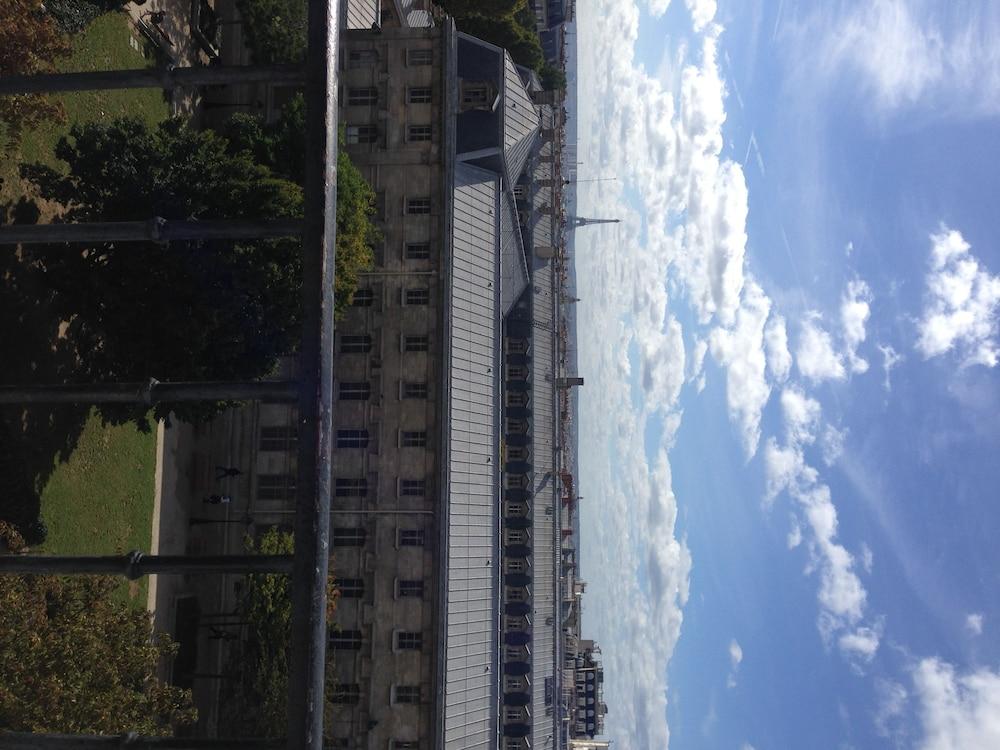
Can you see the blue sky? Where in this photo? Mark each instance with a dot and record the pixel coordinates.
(788, 432)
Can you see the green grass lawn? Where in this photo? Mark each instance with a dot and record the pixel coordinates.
(106, 44)
(100, 501)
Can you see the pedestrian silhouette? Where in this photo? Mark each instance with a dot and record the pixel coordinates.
(226, 472)
(218, 500)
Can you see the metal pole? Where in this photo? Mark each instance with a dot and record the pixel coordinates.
(131, 741)
(155, 230)
(307, 661)
(151, 392)
(135, 564)
(155, 78)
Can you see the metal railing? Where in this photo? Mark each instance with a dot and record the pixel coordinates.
(313, 388)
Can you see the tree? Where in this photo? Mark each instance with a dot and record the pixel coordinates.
(553, 78)
(275, 29)
(30, 43)
(75, 660)
(188, 311)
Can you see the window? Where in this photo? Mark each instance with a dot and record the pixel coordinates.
(412, 487)
(520, 192)
(420, 95)
(363, 298)
(412, 588)
(348, 694)
(516, 536)
(349, 536)
(517, 426)
(279, 438)
(517, 372)
(275, 487)
(409, 641)
(515, 566)
(345, 640)
(361, 134)
(516, 508)
(418, 205)
(416, 343)
(514, 653)
(512, 683)
(516, 482)
(362, 96)
(352, 438)
(419, 57)
(350, 487)
(512, 714)
(358, 58)
(355, 391)
(517, 453)
(415, 133)
(418, 251)
(516, 595)
(517, 398)
(406, 694)
(417, 296)
(413, 439)
(405, 745)
(351, 588)
(355, 344)
(474, 95)
(516, 346)
(512, 744)
(414, 390)
(411, 537)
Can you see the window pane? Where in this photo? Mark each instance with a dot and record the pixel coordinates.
(413, 487)
(416, 343)
(417, 296)
(363, 298)
(352, 438)
(351, 588)
(414, 390)
(279, 438)
(362, 96)
(418, 133)
(355, 344)
(275, 487)
(411, 537)
(418, 205)
(418, 251)
(350, 487)
(416, 439)
(411, 588)
(349, 536)
(420, 56)
(355, 391)
(420, 95)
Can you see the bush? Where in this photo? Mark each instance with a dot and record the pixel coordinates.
(73, 16)
(275, 30)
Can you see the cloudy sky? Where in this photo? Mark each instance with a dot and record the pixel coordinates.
(789, 432)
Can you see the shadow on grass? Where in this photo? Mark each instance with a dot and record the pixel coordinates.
(31, 352)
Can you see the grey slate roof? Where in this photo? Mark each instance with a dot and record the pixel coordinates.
(358, 14)
(520, 121)
(473, 372)
(412, 15)
(513, 267)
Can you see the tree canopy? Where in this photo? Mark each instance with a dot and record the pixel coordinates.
(275, 30)
(75, 660)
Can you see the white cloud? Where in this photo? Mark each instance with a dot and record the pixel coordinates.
(900, 54)
(832, 444)
(957, 711)
(974, 623)
(861, 644)
(891, 698)
(816, 358)
(779, 360)
(961, 305)
(867, 558)
(740, 350)
(855, 309)
(795, 535)
(801, 414)
(702, 12)
(735, 658)
(890, 358)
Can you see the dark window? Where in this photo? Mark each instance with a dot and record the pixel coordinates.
(420, 95)
(412, 588)
(416, 343)
(407, 641)
(412, 487)
(512, 714)
(517, 398)
(515, 566)
(345, 640)
(275, 487)
(362, 96)
(405, 745)
(351, 588)
(418, 296)
(345, 693)
(517, 426)
(414, 390)
(418, 251)
(420, 57)
(350, 487)
(418, 133)
(361, 134)
(355, 344)
(280, 438)
(363, 298)
(355, 391)
(516, 595)
(474, 95)
(349, 536)
(517, 453)
(411, 537)
(414, 439)
(352, 438)
(358, 58)
(516, 346)
(418, 205)
(407, 693)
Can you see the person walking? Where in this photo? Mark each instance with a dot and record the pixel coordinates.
(226, 472)
(218, 500)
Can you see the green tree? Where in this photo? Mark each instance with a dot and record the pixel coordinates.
(552, 77)
(74, 660)
(275, 29)
(30, 42)
(188, 311)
